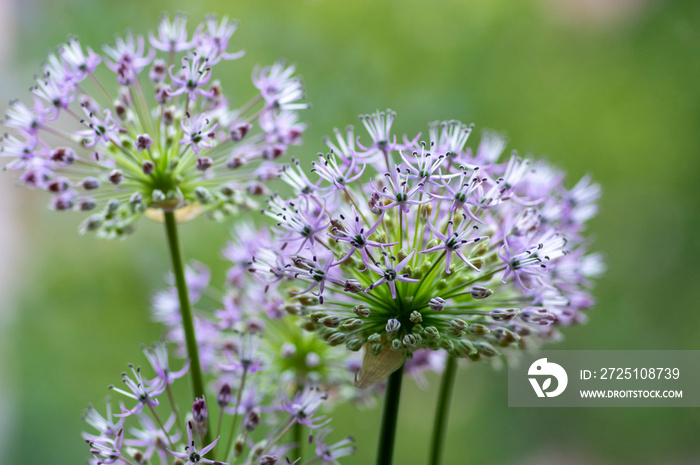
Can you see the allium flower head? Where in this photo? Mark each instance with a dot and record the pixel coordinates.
(399, 246)
(255, 409)
(151, 129)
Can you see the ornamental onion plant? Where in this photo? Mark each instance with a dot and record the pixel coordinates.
(143, 129)
(391, 246)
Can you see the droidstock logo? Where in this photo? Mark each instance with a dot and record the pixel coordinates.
(546, 371)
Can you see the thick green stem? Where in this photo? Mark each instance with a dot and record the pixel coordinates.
(298, 431)
(387, 435)
(441, 413)
(185, 309)
(298, 438)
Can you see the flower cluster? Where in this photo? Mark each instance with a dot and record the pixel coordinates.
(399, 245)
(252, 423)
(151, 129)
(241, 314)
(245, 306)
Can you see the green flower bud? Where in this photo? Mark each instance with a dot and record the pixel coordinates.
(481, 248)
(112, 206)
(330, 321)
(239, 446)
(409, 341)
(479, 292)
(505, 337)
(465, 347)
(486, 349)
(376, 349)
(203, 195)
(336, 339)
(477, 328)
(362, 311)
(431, 333)
(401, 255)
(425, 212)
(291, 309)
(158, 196)
(307, 300)
(447, 344)
(458, 327)
(354, 344)
(91, 224)
(351, 324)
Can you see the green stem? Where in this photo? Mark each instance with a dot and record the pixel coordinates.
(441, 412)
(298, 438)
(387, 435)
(297, 429)
(185, 309)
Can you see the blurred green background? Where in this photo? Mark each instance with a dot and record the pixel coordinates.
(608, 87)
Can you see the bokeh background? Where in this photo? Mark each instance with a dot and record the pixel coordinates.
(608, 87)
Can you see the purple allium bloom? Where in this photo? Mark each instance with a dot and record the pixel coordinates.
(304, 406)
(296, 177)
(172, 35)
(328, 454)
(355, 234)
(391, 273)
(339, 175)
(152, 438)
(200, 133)
(302, 223)
(107, 427)
(143, 391)
(279, 87)
(316, 272)
(107, 451)
(191, 79)
(192, 454)
(153, 136)
(383, 276)
(244, 358)
(452, 241)
(212, 39)
(127, 59)
(157, 355)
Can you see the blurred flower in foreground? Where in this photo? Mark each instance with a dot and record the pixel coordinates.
(151, 128)
(395, 246)
(249, 422)
(242, 326)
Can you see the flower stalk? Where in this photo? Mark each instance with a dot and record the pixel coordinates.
(387, 435)
(442, 411)
(185, 309)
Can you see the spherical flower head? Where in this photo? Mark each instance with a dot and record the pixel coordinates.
(394, 247)
(144, 128)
